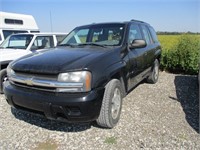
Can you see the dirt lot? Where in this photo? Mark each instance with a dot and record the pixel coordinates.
(163, 116)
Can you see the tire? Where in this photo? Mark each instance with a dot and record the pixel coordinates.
(111, 105)
(2, 79)
(153, 77)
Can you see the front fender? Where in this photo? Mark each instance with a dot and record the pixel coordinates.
(4, 64)
(115, 70)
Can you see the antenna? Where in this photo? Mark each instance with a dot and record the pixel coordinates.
(51, 22)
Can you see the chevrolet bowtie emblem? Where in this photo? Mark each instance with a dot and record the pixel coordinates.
(29, 82)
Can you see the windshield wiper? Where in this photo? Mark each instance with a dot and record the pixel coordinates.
(93, 44)
(65, 45)
(11, 47)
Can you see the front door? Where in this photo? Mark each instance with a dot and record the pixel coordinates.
(136, 57)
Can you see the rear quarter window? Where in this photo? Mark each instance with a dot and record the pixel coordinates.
(153, 35)
(146, 34)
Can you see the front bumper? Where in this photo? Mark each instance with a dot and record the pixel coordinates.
(69, 107)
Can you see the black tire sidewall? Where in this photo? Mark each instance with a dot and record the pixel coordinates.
(116, 84)
(156, 63)
(2, 76)
(151, 79)
(105, 117)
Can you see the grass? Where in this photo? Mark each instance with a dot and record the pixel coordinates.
(169, 41)
(111, 140)
(47, 145)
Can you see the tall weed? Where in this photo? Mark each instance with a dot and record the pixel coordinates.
(183, 56)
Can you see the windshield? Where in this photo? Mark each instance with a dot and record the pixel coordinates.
(101, 34)
(17, 41)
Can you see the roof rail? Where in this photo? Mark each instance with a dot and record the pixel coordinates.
(137, 20)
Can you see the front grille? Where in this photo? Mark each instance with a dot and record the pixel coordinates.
(34, 87)
(20, 80)
(43, 82)
(39, 76)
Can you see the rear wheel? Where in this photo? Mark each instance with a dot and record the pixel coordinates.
(3, 77)
(111, 105)
(153, 78)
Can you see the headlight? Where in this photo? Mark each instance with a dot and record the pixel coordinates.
(77, 81)
(10, 71)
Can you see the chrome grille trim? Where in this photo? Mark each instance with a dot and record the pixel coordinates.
(31, 87)
(35, 81)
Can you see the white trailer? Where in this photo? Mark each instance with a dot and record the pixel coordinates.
(11, 23)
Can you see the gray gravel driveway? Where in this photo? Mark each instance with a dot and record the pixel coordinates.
(160, 116)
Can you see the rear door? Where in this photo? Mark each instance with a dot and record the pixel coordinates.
(149, 49)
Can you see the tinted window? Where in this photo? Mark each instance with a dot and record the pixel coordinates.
(146, 35)
(13, 21)
(6, 33)
(134, 33)
(153, 34)
(35, 31)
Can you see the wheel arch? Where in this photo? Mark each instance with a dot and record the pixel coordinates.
(4, 65)
(158, 55)
(117, 71)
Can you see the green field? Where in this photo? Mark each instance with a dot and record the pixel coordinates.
(169, 41)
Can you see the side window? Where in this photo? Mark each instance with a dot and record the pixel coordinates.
(146, 35)
(35, 31)
(134, 33)
(6, 33)
(153, 34)
(60, 38)
(42, 42)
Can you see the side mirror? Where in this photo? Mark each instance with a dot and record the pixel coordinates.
(138, 44)
(33, 47)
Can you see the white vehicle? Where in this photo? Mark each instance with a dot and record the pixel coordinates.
(18, 45)
(11, 23)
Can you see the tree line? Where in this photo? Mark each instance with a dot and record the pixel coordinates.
(176, 33)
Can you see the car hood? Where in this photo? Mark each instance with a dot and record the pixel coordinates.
(58, 60)
(12, 54)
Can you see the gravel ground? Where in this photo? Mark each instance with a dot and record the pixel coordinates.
(160, 116)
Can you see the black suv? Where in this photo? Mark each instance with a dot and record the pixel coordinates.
(87, 75)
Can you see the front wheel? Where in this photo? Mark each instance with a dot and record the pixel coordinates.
(3, 76)
(111, 105)
(153, 77)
